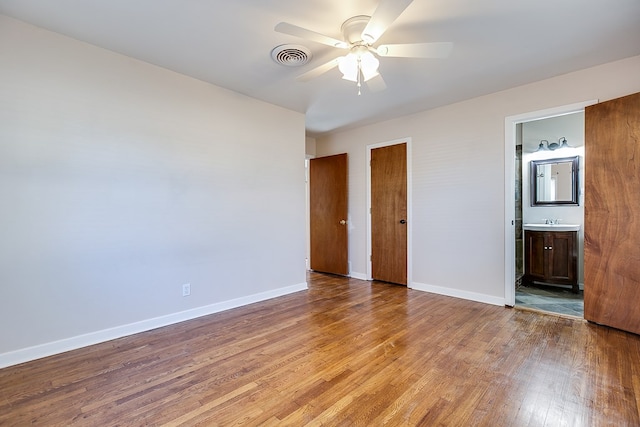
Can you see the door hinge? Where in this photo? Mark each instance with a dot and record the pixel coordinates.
(370, 257)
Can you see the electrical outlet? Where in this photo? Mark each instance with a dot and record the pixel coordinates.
(186, 289)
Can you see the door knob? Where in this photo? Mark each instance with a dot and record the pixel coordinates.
(343, 222)
(402, 221)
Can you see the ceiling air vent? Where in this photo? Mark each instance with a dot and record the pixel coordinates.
(291, 55)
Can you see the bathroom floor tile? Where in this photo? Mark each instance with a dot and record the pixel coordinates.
(551, 298)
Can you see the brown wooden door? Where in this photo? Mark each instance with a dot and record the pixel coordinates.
(328, 214)
(389, 213)
(612, 214)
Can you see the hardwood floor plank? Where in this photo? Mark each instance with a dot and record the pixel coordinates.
(345, 352)
(190, 417)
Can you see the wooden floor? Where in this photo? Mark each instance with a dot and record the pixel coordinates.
(345, 352)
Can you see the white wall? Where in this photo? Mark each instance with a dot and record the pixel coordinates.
(120, 181)
(571, 127)
(459, 177)
(310, 147)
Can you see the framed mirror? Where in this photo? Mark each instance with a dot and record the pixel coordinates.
(554, 182)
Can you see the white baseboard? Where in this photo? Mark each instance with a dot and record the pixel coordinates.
(73, 343)
(357, 275)
(472, 296)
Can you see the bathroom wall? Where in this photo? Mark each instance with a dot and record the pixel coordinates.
(571, 127)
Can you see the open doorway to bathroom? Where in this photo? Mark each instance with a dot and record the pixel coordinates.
(544, 269)
(519, 189)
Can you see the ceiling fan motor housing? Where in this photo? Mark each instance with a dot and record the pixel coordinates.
(353, 27)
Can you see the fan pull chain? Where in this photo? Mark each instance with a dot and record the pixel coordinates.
(359, 83)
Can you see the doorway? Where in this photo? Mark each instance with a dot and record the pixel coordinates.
(557, 200)
(513, 224)
(389, 208)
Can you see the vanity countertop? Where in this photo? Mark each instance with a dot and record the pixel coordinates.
(552, 227)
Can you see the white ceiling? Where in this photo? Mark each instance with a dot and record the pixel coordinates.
(498, 44)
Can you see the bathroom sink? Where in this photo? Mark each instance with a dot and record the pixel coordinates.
(551, 227)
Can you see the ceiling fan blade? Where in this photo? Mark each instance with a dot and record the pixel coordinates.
(376, 84)
(294, 30)
(315, 72)
(386, 12)
(416, 50)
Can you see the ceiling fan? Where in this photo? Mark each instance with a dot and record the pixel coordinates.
(359, 36)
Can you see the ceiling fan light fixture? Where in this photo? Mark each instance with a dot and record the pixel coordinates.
(348, 66)
(359, 34)
(358, 62)
(369, 66)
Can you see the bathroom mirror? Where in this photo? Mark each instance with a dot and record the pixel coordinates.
(554, 182)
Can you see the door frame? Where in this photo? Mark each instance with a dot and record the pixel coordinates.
(369, 148)
(510, 138)
(307, 157)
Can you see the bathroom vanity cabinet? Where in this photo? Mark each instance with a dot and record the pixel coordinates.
(551, 257)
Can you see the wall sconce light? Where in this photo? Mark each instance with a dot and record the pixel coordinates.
(562, 143)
